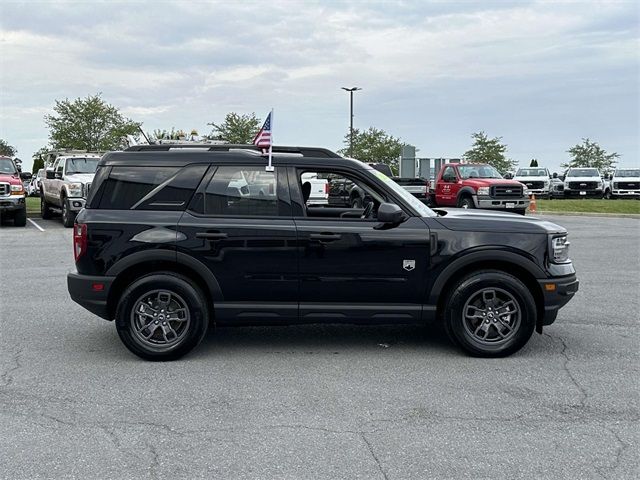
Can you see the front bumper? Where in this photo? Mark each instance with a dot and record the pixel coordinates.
(91, 292)
(583, 193)
(626, 193)
(557, 292)
(76, 203)
(502, 203)
(11, 203)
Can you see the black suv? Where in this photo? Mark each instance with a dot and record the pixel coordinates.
(173, 239)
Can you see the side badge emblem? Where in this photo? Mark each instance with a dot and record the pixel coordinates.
(409, 265)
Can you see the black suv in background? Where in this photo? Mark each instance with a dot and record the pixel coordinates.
(175, 238)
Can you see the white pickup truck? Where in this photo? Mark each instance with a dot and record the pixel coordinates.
(536, 179)
(66, 185)
(624, 183)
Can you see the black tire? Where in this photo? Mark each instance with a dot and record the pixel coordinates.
(467, 333)
(188, 335)
(466, 202)
(68, 217)
(45, 211)
(356, 202)
(521, 211)
(607, 195)
(20, 217)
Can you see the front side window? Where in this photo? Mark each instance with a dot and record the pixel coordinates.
(241, 191)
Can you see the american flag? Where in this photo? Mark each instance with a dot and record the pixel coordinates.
(263, 137)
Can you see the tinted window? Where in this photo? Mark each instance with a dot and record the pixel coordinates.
(126, 186)
(82, 165)
(241, 191)
(175, 192)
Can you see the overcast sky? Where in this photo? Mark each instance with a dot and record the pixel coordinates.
(542, 75)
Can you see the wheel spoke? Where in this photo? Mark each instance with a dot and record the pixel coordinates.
(168, 332)
(150, 327)
(476, 315)
(489, 297)
(164, 298)
(177, 315)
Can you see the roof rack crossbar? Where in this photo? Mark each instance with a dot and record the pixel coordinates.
(304, 151)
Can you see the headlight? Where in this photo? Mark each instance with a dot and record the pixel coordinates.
(74, 189)
(483, 191)
(546, 183)
(559, 249)
(17, 189)
(525, 191)
(615, 185)
(599, 184)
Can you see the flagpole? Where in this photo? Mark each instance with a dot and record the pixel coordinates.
(270, 167)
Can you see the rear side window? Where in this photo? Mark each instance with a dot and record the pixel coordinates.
(241, 191)
(150, 188)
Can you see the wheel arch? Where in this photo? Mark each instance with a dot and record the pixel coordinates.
(465, 192)
(144, 263)
(525, 270)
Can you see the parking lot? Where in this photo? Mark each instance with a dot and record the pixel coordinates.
(319, 401)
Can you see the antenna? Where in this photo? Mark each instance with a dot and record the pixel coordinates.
(143, 134)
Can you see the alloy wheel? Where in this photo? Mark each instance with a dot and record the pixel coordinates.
(159, 320)
(491, 316)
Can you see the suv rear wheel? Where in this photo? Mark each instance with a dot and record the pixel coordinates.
(162, 316)
(490, 314)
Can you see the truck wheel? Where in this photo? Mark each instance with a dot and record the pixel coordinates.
(521, 211)
(607, 195)
(356, 202)
(490, 314)
(45, 211)
(20, 217)
(466, 202)
(162, 316)
(68, 217)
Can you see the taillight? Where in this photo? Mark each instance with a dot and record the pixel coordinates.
(79, 240)
(326, 188)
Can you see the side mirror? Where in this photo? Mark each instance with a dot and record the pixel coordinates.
(390, 213)
(50, 175)
(58, 175)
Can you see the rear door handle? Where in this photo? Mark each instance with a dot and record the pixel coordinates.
(212, 235)
(325, 237)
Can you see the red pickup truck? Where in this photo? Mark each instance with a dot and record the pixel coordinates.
(12, 194)
(470, 185)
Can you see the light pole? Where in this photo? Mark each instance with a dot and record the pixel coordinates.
(351, 90)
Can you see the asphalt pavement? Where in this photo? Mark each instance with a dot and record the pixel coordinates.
(319, 402)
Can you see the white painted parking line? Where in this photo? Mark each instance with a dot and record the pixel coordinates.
(36, 225)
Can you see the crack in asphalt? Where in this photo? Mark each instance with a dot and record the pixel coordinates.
(373, 454)
(621, 447)
(583, 392)
(7, 375)
(154, 465)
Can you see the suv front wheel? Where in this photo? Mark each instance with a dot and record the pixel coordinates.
(490, 314)
(162, 316)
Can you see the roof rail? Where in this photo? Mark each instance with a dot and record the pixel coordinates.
(304, 151)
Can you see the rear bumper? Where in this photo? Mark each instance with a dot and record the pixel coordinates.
(11, 203)
(564, 290)
(85, 290)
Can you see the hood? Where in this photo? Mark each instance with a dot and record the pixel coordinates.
(488, 182)
(461, 219)
(626, 179)
(524, 180)
(11, 179)
(582, 179)
(80, 177)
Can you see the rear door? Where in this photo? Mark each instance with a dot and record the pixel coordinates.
(239, 225)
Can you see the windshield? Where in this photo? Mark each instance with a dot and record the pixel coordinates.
(7, 166)
(583, 172)
(478, 171)
(81, 165)
(532, 172)
(416, 204)
(628, 173)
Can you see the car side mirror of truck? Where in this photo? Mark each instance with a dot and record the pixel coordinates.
(390, 213)
(50, 175)
(57, 175)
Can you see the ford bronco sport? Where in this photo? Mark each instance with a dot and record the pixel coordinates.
(175, 238)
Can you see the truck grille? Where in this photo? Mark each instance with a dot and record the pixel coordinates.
(628, 185)
(506, 191)
(5, 189)
(583, 185)
(534, 185)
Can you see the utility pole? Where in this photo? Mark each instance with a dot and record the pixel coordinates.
(351, 90)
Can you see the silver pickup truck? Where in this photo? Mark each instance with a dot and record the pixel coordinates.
(66, 185)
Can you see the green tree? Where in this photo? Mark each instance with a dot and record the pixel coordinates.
(589, 154)
(373, 146)
(237, 129)
(534, 163)
(38, 159)
(88, 124)
(491, 151)
(6, 149)
(172, 134)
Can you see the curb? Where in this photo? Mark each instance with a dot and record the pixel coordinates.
(588, 214)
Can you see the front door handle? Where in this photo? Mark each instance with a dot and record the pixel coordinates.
(212, 235)
(325, 237)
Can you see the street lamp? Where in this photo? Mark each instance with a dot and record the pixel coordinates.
(351, 90)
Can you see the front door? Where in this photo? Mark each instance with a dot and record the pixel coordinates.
(352, 271)
(447, 187)
(239, 226)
